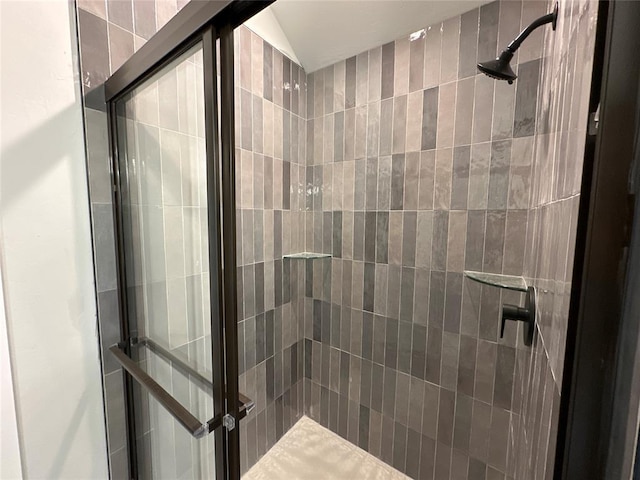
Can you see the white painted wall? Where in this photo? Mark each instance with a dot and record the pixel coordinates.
(45, 245)
(9, 443)
(323, 32)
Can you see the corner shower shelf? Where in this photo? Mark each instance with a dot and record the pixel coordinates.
(510, 282)
(307, 255)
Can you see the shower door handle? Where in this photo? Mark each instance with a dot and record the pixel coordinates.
(184, 417)
(194, 426)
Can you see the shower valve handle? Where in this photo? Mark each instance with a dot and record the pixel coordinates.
(526, 314)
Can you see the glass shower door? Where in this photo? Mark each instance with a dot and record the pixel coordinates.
(166, 256)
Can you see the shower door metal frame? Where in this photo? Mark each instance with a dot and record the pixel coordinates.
(198, 22)
(587, 412)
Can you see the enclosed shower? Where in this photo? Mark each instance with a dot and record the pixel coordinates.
(321, 244)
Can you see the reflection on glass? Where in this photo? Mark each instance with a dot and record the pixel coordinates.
(162, 164)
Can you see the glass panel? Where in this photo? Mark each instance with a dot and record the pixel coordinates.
(164, 206)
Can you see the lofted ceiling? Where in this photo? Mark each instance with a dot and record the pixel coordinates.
(317, 33)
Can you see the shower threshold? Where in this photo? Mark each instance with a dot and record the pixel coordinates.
(310, 451)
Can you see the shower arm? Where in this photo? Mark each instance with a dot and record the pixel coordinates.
(548, 18)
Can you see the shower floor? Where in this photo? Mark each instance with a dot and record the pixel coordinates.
(310, 451)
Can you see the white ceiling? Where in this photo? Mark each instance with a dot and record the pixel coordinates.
(318, 33)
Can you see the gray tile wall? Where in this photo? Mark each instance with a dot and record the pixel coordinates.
(270, 156)
(417, 169)
(563, 101)
(404, 206)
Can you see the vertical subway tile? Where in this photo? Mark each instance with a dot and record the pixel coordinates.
(430, 118)
(362, 78)
(464, 111)
(399, 124)
(401, 67)
(440, 240)
(432, 56)
(386, 126)
(450, 49)
(245, 58)
(446, 416)
(468, 43)
(460, 181)
(502, 391)
(479, 176)
(144, 14)
(503, 110)
(381, 237)
(453, 302)
(339, 78)
(485, 370)
(94, 48)
(443, 178)
(426, 181)
(395, 237)
(498, 438)
(462, 422)
(482, 108)
(449, 365)
(257, 59)
(446, 115)
(397, 181)
(350, 83)
(267, 71)
(434, 350)
(411, 180)
(494, 241)
(467, 365)
(388, 62)
(421, 297)
(407, 294)
(121, 47)
(409, 238)
(416, 60)
(488, 31)
(524, 121)
(474, 247)
(375, 74)
(480, 430)
(414, 122)
(338, 137)
(456, 242)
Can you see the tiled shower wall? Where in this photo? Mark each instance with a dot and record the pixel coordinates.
(561, 129)
(418, 168)
(449, 191)
(270, 159)
(411, 155)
